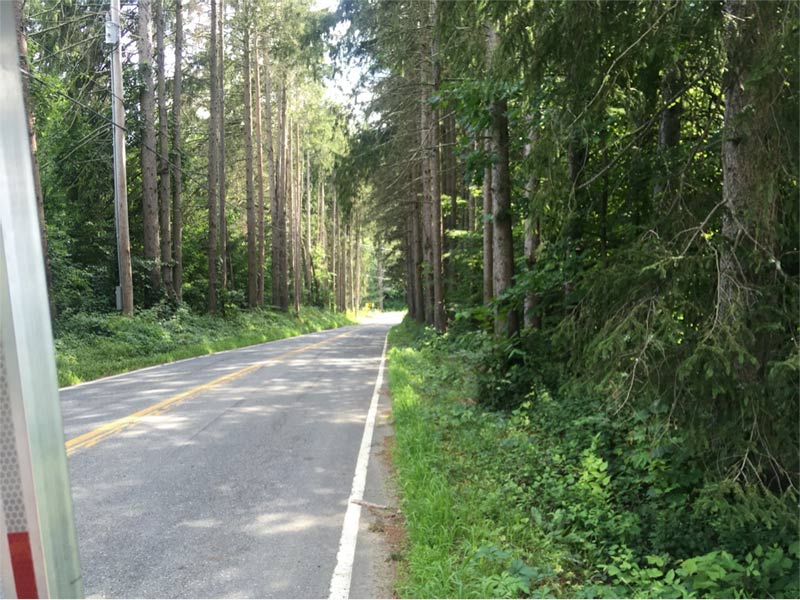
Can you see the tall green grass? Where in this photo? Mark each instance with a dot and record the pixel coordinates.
(89, 346)
(467, 538)
(559, 498)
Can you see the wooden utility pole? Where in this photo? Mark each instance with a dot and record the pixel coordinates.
(120, 175)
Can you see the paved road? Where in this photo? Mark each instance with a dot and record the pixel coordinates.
(226, 475)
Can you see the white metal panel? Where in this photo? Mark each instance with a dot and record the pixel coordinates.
(27, 368)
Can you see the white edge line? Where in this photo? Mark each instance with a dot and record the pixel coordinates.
(343, 573)
(175, 362)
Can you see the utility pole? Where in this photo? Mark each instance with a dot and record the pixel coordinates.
(124, 293)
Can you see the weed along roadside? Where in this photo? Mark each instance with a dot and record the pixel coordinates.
(89, 346)
(557, 498)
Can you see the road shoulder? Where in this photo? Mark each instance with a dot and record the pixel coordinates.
(381, 532)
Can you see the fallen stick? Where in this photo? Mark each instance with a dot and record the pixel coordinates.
(366, 504)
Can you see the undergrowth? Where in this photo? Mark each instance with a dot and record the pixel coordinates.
(92, 345)
(562, 497)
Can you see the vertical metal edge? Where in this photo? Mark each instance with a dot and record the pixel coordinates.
(25, 327)
(8, 342)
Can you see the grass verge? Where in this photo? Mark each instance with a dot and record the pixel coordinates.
(467, 537)
(89, 346)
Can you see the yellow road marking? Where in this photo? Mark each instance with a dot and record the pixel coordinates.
(90, 438)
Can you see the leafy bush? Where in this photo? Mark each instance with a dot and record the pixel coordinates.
(600, 503)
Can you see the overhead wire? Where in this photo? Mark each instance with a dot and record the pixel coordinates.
(60, 24)
(104, 118)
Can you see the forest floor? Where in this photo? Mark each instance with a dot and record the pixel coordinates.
(94, 345)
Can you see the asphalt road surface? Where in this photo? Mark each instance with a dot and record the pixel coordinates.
(226, 475)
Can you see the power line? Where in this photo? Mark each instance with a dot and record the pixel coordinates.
(104, 118)
(63, 23)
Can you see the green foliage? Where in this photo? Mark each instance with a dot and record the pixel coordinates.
(92, 345)
(601, 506)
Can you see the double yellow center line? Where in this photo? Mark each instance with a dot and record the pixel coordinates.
(90, 438)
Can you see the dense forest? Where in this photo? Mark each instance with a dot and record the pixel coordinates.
(231, 153)
(598, 201)
(589, 209)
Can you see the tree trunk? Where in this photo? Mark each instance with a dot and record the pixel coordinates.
(356, 263)
(531, 319)
(308, 199)
(576, 162)
(297, 265)
(469, 222)
(334, 252)
(290, 209)
(164, 186)
(351, 263)
(450, 175)
(177, 150)
(223, 184)
(307, 242)
(22, 45)
(415, 215)
(290, 216)
(311, 278)
(488, 229)
(466, 193)
(252, 241)
(148, 151)
(425, 184)
(280, 260)
(750, 152)
(433, 179)
(343, 268)
(273, 188)
(321, 224)
(506, 322)
(213, 166)
(259, 178)
(669, 134)
(379, 266)
(427, 245)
